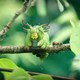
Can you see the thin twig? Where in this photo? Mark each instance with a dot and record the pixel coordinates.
(27, 4)
(35, 73)
(24, 49)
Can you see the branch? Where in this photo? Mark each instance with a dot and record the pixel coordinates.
(26, 6)
(35, 73)
(24, 49)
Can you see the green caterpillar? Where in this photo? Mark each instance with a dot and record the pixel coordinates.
(37, 37)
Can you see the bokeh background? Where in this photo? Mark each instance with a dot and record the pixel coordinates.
(58, 14)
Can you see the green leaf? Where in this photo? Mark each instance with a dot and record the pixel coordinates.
(41, 7)
(6, 63)
(75, 40)
(76, 63)
(19, 74)
(60, 6)
(75, 68)
(42, 77)
(62, 35)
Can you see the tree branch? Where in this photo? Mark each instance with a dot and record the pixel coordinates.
(35, 73)
(24, 49)
(26, 6)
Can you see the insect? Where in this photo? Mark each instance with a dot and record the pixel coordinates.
(37, 37)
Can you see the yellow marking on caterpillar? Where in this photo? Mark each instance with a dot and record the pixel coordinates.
(34, 35)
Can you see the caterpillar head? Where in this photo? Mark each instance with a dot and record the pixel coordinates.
(35, 30)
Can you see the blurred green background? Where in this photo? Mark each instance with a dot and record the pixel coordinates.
(58, 14)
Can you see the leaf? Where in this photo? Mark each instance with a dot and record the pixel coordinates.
(6, 63)
(75, 40)
(76, 63)
(62, 35)
(72, 23)
(42, 77)
(75, 68)
(60, 6)
(66, 17)
(41, 7)
(19, 74)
